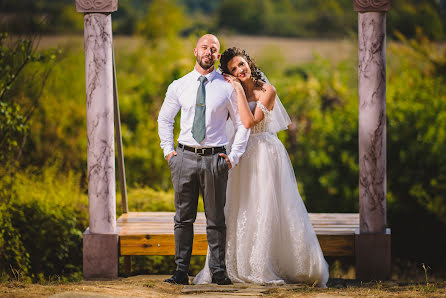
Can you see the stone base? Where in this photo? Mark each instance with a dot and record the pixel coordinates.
(100, 256)
(372, 256)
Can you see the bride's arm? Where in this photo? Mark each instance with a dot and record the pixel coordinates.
(244, 111)
(246, 116)
(267, 98)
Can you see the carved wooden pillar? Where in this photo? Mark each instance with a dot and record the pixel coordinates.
(373, 238)
(100, 245)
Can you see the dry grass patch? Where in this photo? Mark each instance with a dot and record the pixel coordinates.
(153, 286)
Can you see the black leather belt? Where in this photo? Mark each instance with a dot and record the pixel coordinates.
(203, 151)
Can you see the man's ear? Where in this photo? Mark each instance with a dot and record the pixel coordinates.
(195, 52)
(219, 55)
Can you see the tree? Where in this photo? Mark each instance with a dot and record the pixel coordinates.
(165, 19)
(23, 74)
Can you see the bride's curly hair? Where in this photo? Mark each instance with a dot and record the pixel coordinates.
(230, 53)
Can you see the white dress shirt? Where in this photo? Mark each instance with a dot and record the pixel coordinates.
(220, 101)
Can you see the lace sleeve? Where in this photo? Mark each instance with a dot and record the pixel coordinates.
(265, 111)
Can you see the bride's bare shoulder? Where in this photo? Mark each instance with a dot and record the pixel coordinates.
(270, 88)
(268, 91)
(266, 88)
(268, 96)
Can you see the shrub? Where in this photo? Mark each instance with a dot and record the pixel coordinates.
(14, 257)
(46, 214)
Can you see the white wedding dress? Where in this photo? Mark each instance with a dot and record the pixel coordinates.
(270, 239)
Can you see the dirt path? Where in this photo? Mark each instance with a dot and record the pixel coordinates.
(153, 286)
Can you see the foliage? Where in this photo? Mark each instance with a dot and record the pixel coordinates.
(322, 101)
(129, 14)
(46, 214)
(29, 16)
(165, 19)
(323, 18)
(23, 74)
(143, 73)
(14, 255)
(317, 18)
(41, 231)
(144, 200)
(147, 199)
(416, 141)
(287, 17)
(59, 125)
(406, 17)
(143, 77)
(321, 98)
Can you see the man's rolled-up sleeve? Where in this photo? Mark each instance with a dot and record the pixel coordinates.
(166, 119)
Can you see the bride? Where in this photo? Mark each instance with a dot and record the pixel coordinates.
(270, 239)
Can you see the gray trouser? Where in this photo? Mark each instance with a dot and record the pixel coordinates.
(190, 174)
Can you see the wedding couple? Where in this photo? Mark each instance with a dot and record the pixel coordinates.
(258, 229)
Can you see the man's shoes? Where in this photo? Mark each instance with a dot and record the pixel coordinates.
(178, 278)
(220, 278)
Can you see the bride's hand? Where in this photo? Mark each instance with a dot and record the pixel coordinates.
(233, 80)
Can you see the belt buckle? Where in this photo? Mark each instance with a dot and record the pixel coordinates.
(199, 151)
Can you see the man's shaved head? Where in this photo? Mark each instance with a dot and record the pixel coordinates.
(207, 52)
(209, 37)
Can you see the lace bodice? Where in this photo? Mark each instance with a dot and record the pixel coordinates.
(262, 125)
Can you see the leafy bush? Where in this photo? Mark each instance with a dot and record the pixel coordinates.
(46, 214)
(14, 257)
(324, 18)
(416, 142)
(164, 19)
(144, 200)
(147, 199)
(23, 74)
(157, 18)
(43, 214)
(322, 99)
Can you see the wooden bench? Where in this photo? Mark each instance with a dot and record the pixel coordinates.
(151, 233)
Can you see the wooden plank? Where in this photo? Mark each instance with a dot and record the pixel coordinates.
(145, 231)
(162, 223)
(158, 245)
(200, 215)
(164, 245)
(337, 245)
(151, 233)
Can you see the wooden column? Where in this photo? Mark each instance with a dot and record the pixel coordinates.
(100, 245)
(373, 237)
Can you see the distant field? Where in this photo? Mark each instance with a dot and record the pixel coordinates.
(294, 50)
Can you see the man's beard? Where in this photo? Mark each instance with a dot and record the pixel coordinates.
(203, 64)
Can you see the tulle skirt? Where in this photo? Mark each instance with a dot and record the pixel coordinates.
(270, 239)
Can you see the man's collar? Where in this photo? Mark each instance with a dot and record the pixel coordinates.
(210, 76)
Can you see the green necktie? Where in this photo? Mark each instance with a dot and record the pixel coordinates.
(199, 126)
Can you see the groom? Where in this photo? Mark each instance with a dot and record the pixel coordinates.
(200, 162)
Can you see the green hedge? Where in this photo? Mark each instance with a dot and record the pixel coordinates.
(45, 214)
